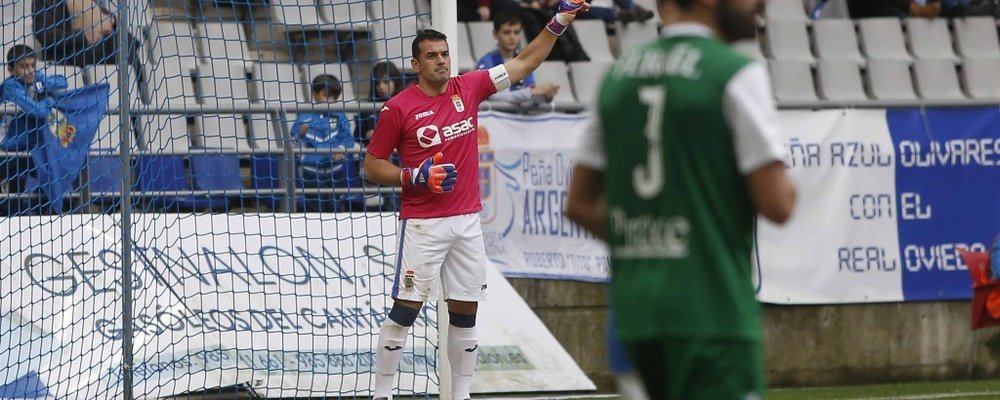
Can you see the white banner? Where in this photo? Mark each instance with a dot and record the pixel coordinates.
(526, 163)
(288, 304)
(829, 252)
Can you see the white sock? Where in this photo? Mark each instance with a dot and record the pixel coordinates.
(463, 346)
(391, 336)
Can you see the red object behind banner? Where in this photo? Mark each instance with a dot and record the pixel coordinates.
(985, 292)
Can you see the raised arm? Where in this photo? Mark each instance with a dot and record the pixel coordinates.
(538, 50)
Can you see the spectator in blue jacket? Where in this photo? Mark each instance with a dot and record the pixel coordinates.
(27, 89)
(326, 130)
(507, 29)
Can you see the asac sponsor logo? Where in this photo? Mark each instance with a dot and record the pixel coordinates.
(431, 135)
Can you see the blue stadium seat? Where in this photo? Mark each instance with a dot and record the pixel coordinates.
(105, 181)
(217, 172)
(168, 173)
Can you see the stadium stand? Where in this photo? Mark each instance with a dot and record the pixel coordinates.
(835, 39)
(558, 73)
(980, 77)
(882, 39)
(467, 58)
(890, 80)
(594, 40)
(976, 37)
(930, 39)
(788, 40)
(584, 75)
(786, 10)
(792, 80)
(937, 80)
(840, 81)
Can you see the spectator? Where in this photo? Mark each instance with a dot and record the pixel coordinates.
(535, 14)
(386, 82)
(326, 130)
(627, 11)
(81, 33)
(878, 8)
(27, 89)
(483, 10)
(507, 31)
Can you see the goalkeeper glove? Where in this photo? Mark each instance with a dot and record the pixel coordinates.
(567, 10)
(431, 175)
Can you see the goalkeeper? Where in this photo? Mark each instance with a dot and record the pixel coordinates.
(434, 127)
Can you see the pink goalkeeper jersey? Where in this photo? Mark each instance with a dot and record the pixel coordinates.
(420, 126)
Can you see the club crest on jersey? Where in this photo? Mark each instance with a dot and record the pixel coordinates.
(457, 102)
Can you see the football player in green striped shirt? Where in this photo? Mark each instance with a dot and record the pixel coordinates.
(686, 130)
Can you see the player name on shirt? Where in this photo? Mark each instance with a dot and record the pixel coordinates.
(647, 236)
(681, 60)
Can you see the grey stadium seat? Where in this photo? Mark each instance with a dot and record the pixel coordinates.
(296, 15)
(345, 15)
(266, 136)
(164, 134)
(840, 80)
(882, 39)
(466, 58)
(976, 37)
(223, 83)
(785, 10)
(634, 34)
(482, 41)
(792, 81)
(586, 76)
(594, 39)
(15, 26)
(279, 82)
(172, 41)
(836, 40)
(398, 22)
(341, 71)
(221, 131)
(171, 83)
(102, 73)
(223, 41)
(788, 40)
(556, 72)
(929, 38)
(937, 80)
(981, 77)
(890, 80)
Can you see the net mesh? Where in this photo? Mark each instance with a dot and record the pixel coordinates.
(259, 257)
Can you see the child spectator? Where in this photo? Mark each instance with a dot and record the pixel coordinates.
(326, 130)
(27, 89)
(386, 82)
(507, 31)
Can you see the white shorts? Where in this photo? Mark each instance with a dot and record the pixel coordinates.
(436, 250)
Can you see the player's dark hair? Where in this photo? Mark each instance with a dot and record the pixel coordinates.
(18, 52)
(387, 70)
(328, 84)
(505, 17)
(426, 35)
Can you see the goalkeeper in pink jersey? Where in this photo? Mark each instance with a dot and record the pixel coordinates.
(434, 127)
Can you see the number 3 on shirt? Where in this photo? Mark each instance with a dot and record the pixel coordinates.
(647, 179)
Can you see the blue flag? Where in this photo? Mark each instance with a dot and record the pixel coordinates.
(62, 149)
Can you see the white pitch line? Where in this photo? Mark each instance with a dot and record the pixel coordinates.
(930, 396)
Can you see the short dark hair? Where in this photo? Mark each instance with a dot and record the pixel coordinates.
(327, 83)
(425, 36)
(504, 18)
(18, 52)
